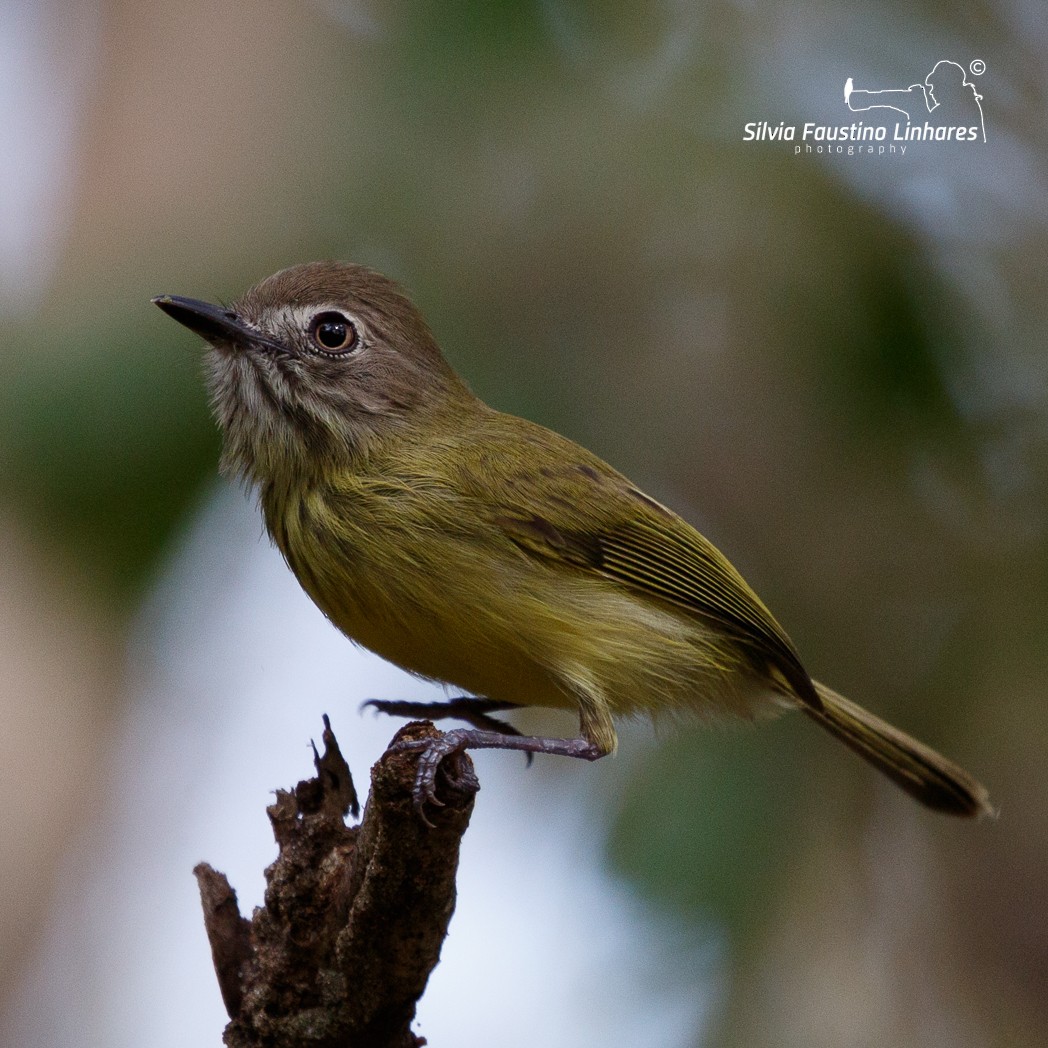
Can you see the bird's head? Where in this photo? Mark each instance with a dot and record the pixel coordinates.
(315, 365)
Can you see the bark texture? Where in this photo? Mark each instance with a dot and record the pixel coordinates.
(354, 916)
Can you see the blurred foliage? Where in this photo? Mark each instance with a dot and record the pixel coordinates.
(890, 381)
(743, 807)
(106, 439)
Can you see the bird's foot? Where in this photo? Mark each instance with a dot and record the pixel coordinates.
(432, 751)
(471, 710)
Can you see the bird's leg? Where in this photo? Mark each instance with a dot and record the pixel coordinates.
(471, 710)
(433, 751)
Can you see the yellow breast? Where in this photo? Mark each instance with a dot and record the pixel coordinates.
(426, 587)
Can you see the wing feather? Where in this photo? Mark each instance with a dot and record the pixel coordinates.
(659, 555)
(563, 503)
(668, 558)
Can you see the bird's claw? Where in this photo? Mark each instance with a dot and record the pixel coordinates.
(431, 755)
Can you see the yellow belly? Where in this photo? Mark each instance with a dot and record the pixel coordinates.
(500, 623)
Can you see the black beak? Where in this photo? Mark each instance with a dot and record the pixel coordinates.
(212, 323)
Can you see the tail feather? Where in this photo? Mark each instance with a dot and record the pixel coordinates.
(918, 769)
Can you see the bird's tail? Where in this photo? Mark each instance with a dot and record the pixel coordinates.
(918, 769)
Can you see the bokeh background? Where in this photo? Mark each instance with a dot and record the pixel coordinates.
(835, 366)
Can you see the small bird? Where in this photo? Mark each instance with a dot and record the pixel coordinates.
(482, 550)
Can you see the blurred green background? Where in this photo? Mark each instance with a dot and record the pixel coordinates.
(835, 367)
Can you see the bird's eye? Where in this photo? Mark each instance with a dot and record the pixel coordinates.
(333, 333)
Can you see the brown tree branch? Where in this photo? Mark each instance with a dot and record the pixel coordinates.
(354, 917)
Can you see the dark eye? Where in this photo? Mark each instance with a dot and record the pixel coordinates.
(333, 333)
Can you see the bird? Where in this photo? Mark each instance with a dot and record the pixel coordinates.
(482, 550)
